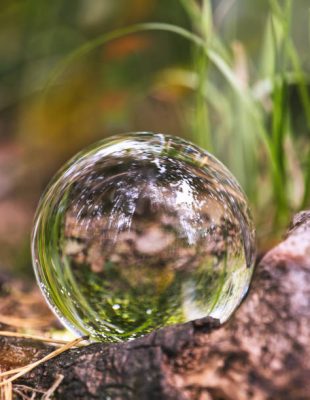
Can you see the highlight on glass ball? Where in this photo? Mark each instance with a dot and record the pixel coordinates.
(142, 231)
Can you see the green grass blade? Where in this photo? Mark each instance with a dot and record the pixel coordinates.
(217, 60)
(201, 117)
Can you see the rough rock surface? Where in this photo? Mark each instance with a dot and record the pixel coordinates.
(262, 352)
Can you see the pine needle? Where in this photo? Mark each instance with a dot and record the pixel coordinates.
(34, 337)
(6, 392)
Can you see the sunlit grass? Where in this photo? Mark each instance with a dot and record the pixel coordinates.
(251, 118)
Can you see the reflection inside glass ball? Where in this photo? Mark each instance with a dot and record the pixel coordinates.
(142, 231)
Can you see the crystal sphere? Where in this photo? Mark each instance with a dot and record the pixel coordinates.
(142, 231)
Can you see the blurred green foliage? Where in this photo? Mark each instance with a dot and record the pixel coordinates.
(255, 117)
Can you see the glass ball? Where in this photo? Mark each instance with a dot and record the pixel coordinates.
(141, 231)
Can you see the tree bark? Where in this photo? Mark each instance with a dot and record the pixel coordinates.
(262, 352)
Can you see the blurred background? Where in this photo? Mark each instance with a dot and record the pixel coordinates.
(72, 72)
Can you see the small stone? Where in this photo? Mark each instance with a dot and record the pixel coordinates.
(154, 240)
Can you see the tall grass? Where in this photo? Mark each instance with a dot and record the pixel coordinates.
(260, 127)
(245, 117)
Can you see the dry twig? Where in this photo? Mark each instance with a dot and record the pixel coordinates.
(21, 390)
(51, 390)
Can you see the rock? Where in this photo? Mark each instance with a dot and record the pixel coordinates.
(261, 353)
